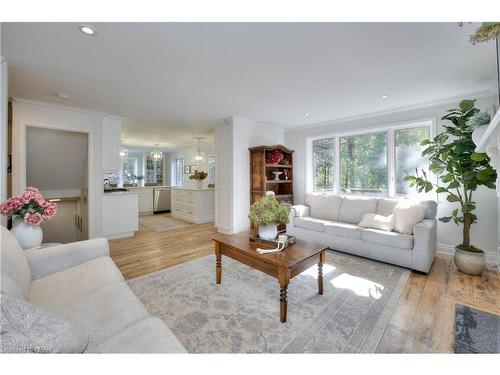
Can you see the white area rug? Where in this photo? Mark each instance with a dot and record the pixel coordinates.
(241, 315)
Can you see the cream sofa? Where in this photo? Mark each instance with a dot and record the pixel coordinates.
(80, 283)
(332, 220)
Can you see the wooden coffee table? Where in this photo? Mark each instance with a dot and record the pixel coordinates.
(283, 265)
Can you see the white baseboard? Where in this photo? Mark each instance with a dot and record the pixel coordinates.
(450, 250)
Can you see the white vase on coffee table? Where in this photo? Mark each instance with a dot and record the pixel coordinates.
(268, 232)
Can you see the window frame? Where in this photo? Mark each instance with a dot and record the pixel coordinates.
(391, 154)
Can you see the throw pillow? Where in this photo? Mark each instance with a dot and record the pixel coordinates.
(407, 214)
(377, 222)
(26, 328)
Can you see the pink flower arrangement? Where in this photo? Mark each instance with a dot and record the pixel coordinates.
(29, 206)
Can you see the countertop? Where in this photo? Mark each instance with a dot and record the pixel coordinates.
(192, 188)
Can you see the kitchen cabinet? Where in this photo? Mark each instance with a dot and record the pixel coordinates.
(194, 205)
(145, 199)
(120, 214)
(111, 144)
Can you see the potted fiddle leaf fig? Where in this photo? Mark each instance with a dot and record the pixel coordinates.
(461, 171)
(267, 214)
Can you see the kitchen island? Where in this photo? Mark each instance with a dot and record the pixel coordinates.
(193, 205)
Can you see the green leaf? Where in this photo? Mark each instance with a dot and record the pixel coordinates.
(478, 157)
(453, 198)
(428, 187)
(466, 105)
(453, 185)
(445, 219)
(425, 142)
(468, 208)
(441, 190)
(484, 176)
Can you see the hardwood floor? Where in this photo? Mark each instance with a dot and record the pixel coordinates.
(421, 323)
(150, 251)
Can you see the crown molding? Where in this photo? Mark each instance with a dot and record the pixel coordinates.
(431, 103)
(62, 107)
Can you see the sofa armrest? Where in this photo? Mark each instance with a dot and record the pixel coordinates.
(44, 262)
(424, 244)
(298, 210)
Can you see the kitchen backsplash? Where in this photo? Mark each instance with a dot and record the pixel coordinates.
(113, 178)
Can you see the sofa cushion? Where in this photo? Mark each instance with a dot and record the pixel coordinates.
(75, 282)
(377, 222)
(391, 239)
(103, 313)
(353, 209)
(431, 208)
(150, 335)
(407, 214)
(324, 206)
(26, 328)
(343, 230)
(386, 206)
(310, 223)
(15, 273)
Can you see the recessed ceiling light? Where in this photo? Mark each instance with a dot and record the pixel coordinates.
(87, 30)
(384, 96)
(307, 114)
(62, 95)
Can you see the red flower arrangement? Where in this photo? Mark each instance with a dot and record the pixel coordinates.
(29, 206)
(274, 157)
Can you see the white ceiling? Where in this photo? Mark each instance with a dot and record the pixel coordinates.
(172, 81)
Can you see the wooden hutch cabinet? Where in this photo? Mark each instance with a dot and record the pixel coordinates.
(264, 162)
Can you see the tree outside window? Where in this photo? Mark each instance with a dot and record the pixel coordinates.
(323, 164)
(363, 163)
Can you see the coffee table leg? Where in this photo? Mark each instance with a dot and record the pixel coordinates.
(218, 263)
(320, 272)
(284, 279)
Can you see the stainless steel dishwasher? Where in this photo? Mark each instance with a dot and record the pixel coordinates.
(161, 199)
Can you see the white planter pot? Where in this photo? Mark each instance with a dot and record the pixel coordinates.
(268, 232)
(469, 262)
(27, 235)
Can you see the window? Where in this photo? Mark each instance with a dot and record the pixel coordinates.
(323, 164)
(363, 163)
(409, 155)
(129, 170)
(211, 170)
(375, 162)
(178, 171)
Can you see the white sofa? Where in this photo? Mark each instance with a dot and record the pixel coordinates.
(332, 220)
(80, 283)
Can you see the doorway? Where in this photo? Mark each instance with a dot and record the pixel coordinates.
(57, 164)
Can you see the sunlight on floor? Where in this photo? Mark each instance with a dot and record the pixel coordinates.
(362, 287)
(313, 271)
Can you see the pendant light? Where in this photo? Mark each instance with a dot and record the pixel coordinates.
(198, 157)
(157, 155)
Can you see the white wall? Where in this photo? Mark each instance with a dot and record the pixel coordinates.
(26, 113)
(55, 159)
(232, 185)
(483, 233)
